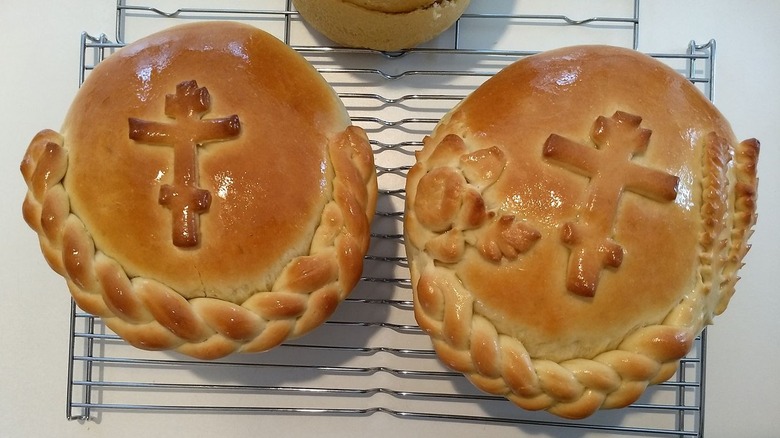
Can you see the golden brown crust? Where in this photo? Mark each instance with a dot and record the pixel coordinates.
(610, 226)
(280, 245)
(381, 25)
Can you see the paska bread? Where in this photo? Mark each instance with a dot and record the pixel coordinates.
(206, 192)
(573, 224)
(379, 24)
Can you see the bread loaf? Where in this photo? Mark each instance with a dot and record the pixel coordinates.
(573, 224)
(381, 25)
(206, 192)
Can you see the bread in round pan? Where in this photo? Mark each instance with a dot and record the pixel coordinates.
(206, 192)
(573, 224)
(381, 25)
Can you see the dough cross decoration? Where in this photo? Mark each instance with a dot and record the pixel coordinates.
(188, 131)
(590, 237)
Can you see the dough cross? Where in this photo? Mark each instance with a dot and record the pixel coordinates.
(590, 237)
(184, 198)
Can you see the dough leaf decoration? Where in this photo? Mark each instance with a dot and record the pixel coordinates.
(506, 237)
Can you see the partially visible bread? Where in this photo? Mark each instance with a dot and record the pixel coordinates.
(573, 224)
(381, 25)
(206, 192)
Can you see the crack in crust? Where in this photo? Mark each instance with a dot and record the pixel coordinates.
(497, 363)
(150, 315)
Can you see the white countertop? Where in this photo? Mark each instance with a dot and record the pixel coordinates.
(39, 53)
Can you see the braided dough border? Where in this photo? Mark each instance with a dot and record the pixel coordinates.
(499, 364)
(150, 315)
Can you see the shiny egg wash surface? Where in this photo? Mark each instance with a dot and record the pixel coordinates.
(195, 173)
(594, 220)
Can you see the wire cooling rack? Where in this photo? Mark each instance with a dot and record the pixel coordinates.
(371, 358)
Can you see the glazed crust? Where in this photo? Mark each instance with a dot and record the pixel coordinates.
(573, 225)
(381, 25)
(291, 190)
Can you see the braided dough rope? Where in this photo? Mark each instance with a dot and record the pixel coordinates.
(151, 315)
(470, 343)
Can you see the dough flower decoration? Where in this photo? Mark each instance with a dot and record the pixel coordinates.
(449, 204)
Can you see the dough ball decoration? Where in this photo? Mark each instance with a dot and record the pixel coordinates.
(573, 224)
(201, 199)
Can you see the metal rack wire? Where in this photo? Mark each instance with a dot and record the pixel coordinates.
(371, 358)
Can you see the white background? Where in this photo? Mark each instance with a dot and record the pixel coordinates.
(38, 77)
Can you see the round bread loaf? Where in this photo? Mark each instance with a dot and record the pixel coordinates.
(573, 224)
(206, 192)
(381, 25)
